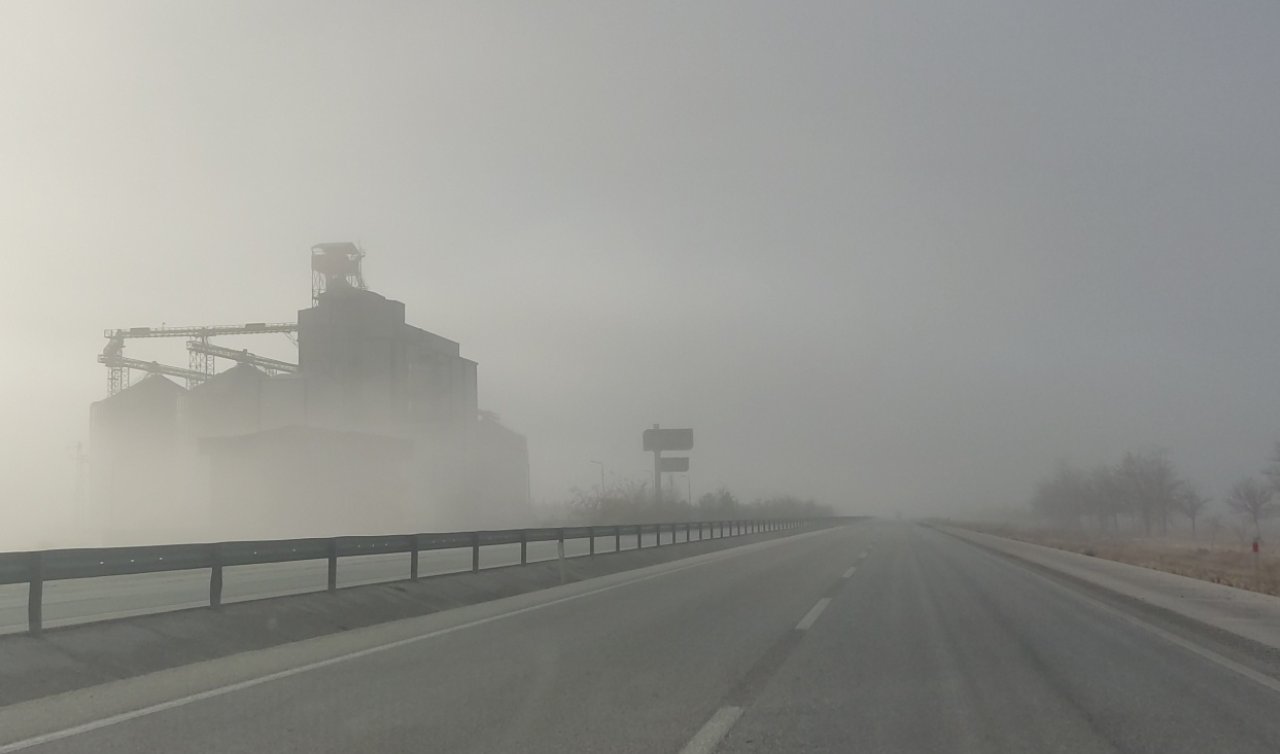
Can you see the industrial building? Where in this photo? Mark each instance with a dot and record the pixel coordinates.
(375, 429)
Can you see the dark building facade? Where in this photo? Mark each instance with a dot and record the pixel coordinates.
(379, 430)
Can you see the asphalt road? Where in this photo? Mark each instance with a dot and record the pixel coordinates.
(872, 637)
(85, 600)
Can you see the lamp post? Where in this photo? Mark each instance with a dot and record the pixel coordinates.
(601, 465)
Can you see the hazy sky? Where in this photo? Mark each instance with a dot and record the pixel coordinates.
(893, 255)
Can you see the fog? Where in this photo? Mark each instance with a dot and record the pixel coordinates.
(894, 256)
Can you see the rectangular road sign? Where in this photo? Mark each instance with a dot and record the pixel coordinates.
(668, 439)
(671, 463)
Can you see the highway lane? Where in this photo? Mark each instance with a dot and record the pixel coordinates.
(874, 637)
(84, 600)
(940, 646)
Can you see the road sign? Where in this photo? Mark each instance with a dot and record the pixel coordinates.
(659, 440)
(673, 464)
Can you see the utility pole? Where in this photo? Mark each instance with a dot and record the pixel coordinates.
(657, 475)
(601, 465)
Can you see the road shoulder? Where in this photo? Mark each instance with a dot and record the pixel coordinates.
(1248, 615)
(74, 657)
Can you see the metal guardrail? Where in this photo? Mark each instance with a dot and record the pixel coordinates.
(36, 567)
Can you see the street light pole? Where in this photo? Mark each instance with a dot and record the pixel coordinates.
(601, 465)
(657, 476)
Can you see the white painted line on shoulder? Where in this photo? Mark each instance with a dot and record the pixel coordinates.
(812, 616)
(713, 732)
(849, 572)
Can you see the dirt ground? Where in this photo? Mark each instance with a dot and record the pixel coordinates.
(1222, 562)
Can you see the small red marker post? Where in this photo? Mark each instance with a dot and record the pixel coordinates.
(1257, 571)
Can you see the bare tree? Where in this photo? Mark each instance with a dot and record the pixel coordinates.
(1190, 504)
(1252, 499)
(1152, 486)
(1272, 472)
(1214, 526)
(1105, 497)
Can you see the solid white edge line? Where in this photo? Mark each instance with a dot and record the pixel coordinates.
(713, 731)
(182, 701)
(849, 573)
(812, 616)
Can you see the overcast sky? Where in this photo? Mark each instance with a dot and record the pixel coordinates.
(892, 255)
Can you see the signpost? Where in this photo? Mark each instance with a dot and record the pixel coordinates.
(656, 441)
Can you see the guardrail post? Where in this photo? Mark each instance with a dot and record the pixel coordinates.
(413, 558)
(524, 548)
(617, 539)
(35, 595)
(701, 526)
(591, 537)
(475, 552)
(215, 578)
(333, 565)
(560, 551)
(639, 536)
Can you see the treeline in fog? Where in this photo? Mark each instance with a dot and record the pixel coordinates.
(630, 501)
(1144, 493)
